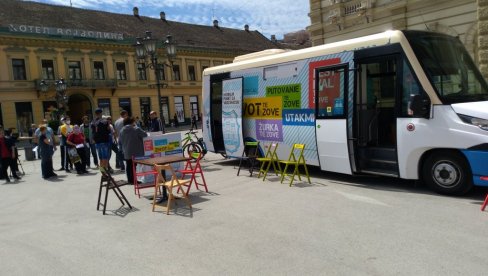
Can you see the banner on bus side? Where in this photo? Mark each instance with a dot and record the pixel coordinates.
(232, 117)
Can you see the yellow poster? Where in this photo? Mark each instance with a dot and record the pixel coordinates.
(263, 108)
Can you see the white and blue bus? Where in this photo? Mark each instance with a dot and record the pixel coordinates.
(405, 104)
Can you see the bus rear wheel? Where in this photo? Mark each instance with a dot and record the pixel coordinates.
(447, 172)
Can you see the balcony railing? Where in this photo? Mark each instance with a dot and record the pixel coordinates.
(88, 84)
(352, 7)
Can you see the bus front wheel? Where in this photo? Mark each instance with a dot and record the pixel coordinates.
(447, 172)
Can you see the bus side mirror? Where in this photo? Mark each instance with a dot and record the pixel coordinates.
(420, 106)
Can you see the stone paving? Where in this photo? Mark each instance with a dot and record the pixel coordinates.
(337, 225)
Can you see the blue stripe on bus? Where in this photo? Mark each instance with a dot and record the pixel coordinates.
(478, 161)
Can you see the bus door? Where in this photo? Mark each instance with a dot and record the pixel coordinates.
(216, 111)
(377, 88)
(331, 89)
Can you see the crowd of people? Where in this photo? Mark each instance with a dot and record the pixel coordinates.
(95, 141)
(88, 145)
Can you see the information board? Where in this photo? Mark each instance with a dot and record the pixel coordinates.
(157, 144)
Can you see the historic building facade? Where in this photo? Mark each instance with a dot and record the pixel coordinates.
(93, 51)
(335, 20)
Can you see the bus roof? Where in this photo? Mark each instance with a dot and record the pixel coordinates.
(274, 57)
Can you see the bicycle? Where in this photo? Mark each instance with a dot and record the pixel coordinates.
(190, 145)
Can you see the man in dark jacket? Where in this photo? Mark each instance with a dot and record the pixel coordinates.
(102, 130)
(131, 139)
(133, 145)
(156, 124)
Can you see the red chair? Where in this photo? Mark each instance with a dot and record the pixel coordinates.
(484, 203)
(137, 185)
(193, 167)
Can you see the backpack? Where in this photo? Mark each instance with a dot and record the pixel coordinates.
(101, 131)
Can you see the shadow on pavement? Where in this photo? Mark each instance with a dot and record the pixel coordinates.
(206, 169)
(363, 181)
(175, 209)
(122, 211)
(58, 178)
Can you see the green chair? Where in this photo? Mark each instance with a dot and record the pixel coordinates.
(269, 159)
(295, 161)
(249, 155)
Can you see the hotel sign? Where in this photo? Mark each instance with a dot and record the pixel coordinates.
(28, 29)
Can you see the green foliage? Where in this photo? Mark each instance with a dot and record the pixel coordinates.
(56, 115)
(53, 124)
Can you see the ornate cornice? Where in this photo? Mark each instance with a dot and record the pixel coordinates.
(45, 50)
(120, 54)
(97, 53)
(98, 46)
(16, 49)
(73, 52)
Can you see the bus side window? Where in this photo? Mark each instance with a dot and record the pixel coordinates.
(411, 88)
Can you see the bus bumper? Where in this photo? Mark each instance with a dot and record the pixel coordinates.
(479, 166)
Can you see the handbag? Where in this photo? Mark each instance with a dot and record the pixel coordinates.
(73, 155)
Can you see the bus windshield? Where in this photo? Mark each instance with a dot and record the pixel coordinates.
(449, 67)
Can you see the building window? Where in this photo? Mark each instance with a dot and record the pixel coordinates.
(165, 107)
(47, 69)
(162, 75)
(145, 103)
(74, 70)
(24, 116)
(141, 71)
(18, 68)
(194, 106)
(191, 73)
(176, 72)
(121, 73)
(98, 71)
(124, 104)
(179, 109)
(104, 104)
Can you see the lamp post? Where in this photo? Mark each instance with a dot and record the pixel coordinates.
(61, 97)
(146, 48)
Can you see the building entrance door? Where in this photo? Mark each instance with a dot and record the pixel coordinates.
(79, 106)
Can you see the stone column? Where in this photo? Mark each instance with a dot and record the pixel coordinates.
(316, 28)
(483, 37)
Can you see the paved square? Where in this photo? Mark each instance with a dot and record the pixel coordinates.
(338, 225)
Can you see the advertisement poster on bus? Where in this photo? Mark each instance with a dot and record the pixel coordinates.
(232, 117)
(279, 103)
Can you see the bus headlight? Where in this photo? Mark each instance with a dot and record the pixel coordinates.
(481, 123)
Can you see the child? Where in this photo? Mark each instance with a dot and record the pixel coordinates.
(47, 151)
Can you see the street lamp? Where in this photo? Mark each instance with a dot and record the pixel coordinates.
(61, 96)
(146, 48)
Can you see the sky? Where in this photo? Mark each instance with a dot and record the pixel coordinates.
(269, 17)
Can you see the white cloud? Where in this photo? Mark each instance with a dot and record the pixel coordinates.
(269, 17)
